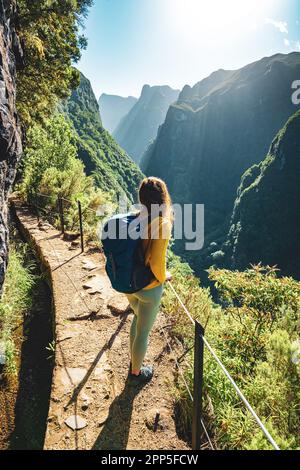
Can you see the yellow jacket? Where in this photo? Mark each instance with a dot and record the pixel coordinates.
(155, 249)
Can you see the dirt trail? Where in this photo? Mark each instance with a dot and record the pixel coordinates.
(92, 325)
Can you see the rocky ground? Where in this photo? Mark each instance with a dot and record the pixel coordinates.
(93, 405)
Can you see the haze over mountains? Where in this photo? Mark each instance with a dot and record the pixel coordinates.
(215, 132)
(139, 127)
(113, 109)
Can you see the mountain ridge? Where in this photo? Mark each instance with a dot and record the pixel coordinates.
(265, 226)
(215, 132)
(139, 127)
(113, 108)
(111, 167)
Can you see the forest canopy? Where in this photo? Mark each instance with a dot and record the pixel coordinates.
(49, 31)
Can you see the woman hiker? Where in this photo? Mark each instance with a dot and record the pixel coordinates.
(145, 303)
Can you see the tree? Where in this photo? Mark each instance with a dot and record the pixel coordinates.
(49, 32)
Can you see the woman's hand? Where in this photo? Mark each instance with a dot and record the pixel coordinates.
(169, 276)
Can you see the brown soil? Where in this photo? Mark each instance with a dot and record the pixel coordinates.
(92, 325)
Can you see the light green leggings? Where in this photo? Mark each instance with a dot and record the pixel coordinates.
(145, 305)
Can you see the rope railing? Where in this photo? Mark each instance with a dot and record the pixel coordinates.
(227, 374)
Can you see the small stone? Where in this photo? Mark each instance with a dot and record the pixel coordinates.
(76, 422)
(94, 285)
(71, 247)
(118, 304)
(86, 401)
(156, 419)
(99, 373)
(69, 237)
(89, 265)
(72, 376)
(85, 397)
(44, 226)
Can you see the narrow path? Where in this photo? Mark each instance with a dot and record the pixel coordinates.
(92, 325)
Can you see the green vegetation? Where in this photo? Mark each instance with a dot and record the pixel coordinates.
(265, 224)
(51, 169)
(112, 168)
(49, 32)
(256, 335)
(15, 302)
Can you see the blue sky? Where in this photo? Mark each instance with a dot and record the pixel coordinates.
(178, 42)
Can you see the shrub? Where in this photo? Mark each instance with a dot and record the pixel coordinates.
(51, 169)
(15, 302)
(256, 336)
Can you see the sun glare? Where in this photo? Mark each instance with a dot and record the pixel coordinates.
(208, 17)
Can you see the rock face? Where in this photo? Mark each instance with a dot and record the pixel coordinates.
(111, 167)
(113, 108)
(265, 224)
(215, 132)
(139, 127)
(10, 135)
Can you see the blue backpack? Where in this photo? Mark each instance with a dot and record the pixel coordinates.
(125, 260)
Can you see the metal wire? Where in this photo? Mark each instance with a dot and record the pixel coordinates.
(242, 397)
(227, 374)
(185, 382)
(87, 209)
(182, 304)
(207, 435)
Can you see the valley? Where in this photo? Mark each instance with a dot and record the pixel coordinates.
(68, 150)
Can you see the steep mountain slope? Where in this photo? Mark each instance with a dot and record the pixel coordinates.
(113, 108)
(265, 224)
(139, 127)
(101, 155)
(218, 129)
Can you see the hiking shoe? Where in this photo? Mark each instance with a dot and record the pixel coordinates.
(145, 375)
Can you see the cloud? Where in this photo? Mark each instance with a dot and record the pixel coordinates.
(282, 26)
(286, 42)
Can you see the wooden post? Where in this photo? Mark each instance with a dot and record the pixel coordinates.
(198, 386)
(81, 226)
(61, 214)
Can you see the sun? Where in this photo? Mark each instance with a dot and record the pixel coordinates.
(192, 18)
